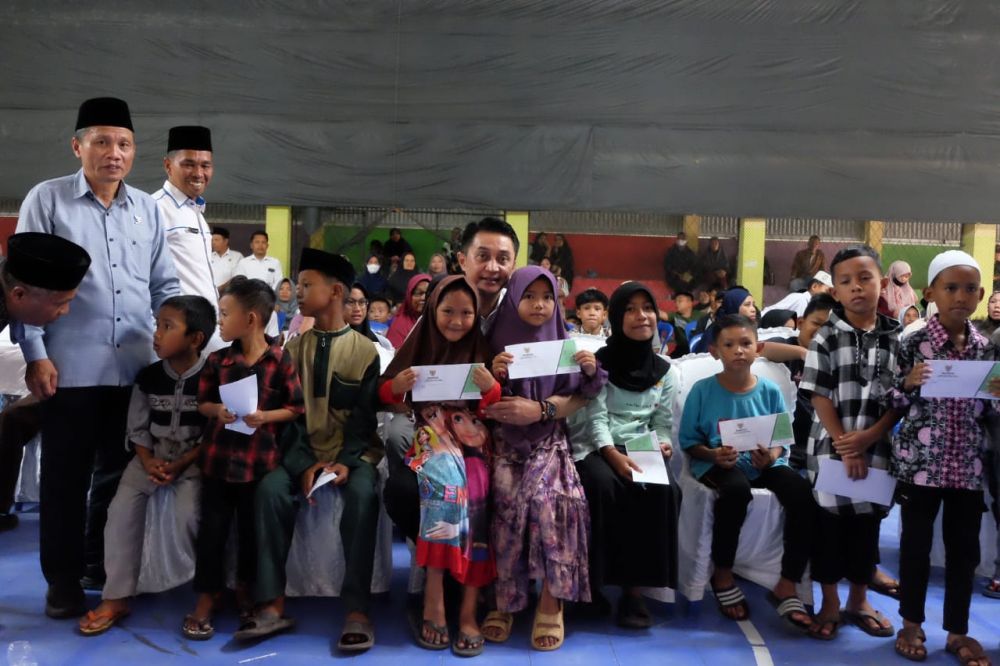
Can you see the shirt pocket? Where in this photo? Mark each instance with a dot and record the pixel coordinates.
(343, 393)
(138, 248)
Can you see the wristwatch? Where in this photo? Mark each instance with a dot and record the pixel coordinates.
(548, 410)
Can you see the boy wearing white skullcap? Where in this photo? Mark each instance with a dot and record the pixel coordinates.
(937, 458)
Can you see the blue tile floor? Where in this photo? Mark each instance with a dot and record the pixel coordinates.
(685, 633)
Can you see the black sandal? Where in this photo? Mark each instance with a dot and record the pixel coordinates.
(633, 613)
(789, 606)
(732, 597)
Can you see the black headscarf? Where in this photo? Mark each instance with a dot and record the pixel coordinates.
(631, 364)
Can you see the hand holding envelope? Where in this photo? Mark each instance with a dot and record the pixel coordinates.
(961, 379)
(542, 359)
(455, 381)
(240, 398)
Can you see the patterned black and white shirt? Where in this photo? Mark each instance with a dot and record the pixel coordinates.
(163, 413)
(855, 369)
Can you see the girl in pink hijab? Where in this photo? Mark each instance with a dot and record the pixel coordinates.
(898, 293)
(410, 310)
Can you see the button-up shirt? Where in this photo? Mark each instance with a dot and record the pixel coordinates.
(107, 336)
(189, 240)
(224, 266)
(267, 269)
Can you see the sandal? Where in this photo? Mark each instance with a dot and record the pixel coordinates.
(732, 597)
(548, 626)
(440, 630)
(365, 630)
(992, 589)
(262, 626)
(474, 644)
(863, 620)
(498, 620)
(890, 589)
(820, 623)
(972, 647)
(197, 629)
(912, 637)
(790, 606)
(633, 613)
(107, 620)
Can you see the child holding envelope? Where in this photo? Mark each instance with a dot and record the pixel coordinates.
(449, 455)
(233, 463)
(541, 522)
(849, 373)
(736, 393)
(937, 458)
(633, 526)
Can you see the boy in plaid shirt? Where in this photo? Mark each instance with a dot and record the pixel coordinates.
(233, 463)
(849, 372)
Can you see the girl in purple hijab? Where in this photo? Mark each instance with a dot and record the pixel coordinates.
(541, 521)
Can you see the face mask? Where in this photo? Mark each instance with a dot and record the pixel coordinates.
(681, 242)
(373, 268)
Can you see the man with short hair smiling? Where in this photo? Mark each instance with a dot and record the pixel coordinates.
(83, 365)
(189, 168)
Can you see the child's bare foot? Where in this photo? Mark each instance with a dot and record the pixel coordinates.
(105, 616)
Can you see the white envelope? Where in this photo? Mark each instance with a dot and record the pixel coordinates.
(541, 359)
(644, 451)
(745, 434)
(589, 343)
(240, 398)
(445, 382)
(960, 379)
(877, 487)
(323, 479)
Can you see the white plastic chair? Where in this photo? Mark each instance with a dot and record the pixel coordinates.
(758, 556)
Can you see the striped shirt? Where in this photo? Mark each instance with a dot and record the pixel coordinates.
(855, 370)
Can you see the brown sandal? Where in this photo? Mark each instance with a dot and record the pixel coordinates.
(912, 637)
(971, 646)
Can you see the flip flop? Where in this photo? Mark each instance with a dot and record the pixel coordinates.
(910, 636)
(890, 590)
(440, 630)
(262, 626)
(818, 625)
(787, 607)
(860, 620)
(108, 619)
(197, 629)
(498, 620)
(355, 628)
(976, 651)
(732, 597)
(474, 645)
(992, 589)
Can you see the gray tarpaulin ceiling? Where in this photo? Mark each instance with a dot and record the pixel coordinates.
(833, 108)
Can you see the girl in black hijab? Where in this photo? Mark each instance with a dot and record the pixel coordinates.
(637, 400)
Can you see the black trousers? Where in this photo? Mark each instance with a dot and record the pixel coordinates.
(963, 514)
(401, 495)
(219, 501)
(633, 527)
(845, 547)
(795, 496)
(19, 423)
(83, 448)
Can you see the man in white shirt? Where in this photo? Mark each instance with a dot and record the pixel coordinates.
(223, 259)
(258, 265)
(821, 283)
(189, 170)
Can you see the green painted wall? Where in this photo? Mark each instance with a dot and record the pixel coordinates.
(917, 256)
(424, 243)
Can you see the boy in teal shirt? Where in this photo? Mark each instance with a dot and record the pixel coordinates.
(732, 394)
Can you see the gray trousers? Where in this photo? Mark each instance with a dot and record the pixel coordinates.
(125, 530)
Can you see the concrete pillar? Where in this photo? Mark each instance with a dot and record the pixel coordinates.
(519, 220)
(980, 241)
(278, 223)
(750, 261)
(692, 227)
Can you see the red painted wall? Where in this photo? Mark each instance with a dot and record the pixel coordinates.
(7, 225)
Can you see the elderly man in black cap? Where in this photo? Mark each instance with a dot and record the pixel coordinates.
(38, 280)
(189, 170)
(84, 364)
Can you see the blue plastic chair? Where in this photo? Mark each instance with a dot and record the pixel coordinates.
(689, 329)
(694, 345)
(666, 332)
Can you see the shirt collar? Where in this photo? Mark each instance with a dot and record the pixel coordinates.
(193, 370)
(81, 188)
(234, 353)
(939, 336)
(181, 199)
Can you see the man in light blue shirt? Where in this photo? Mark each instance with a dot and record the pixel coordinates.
(84, 364)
